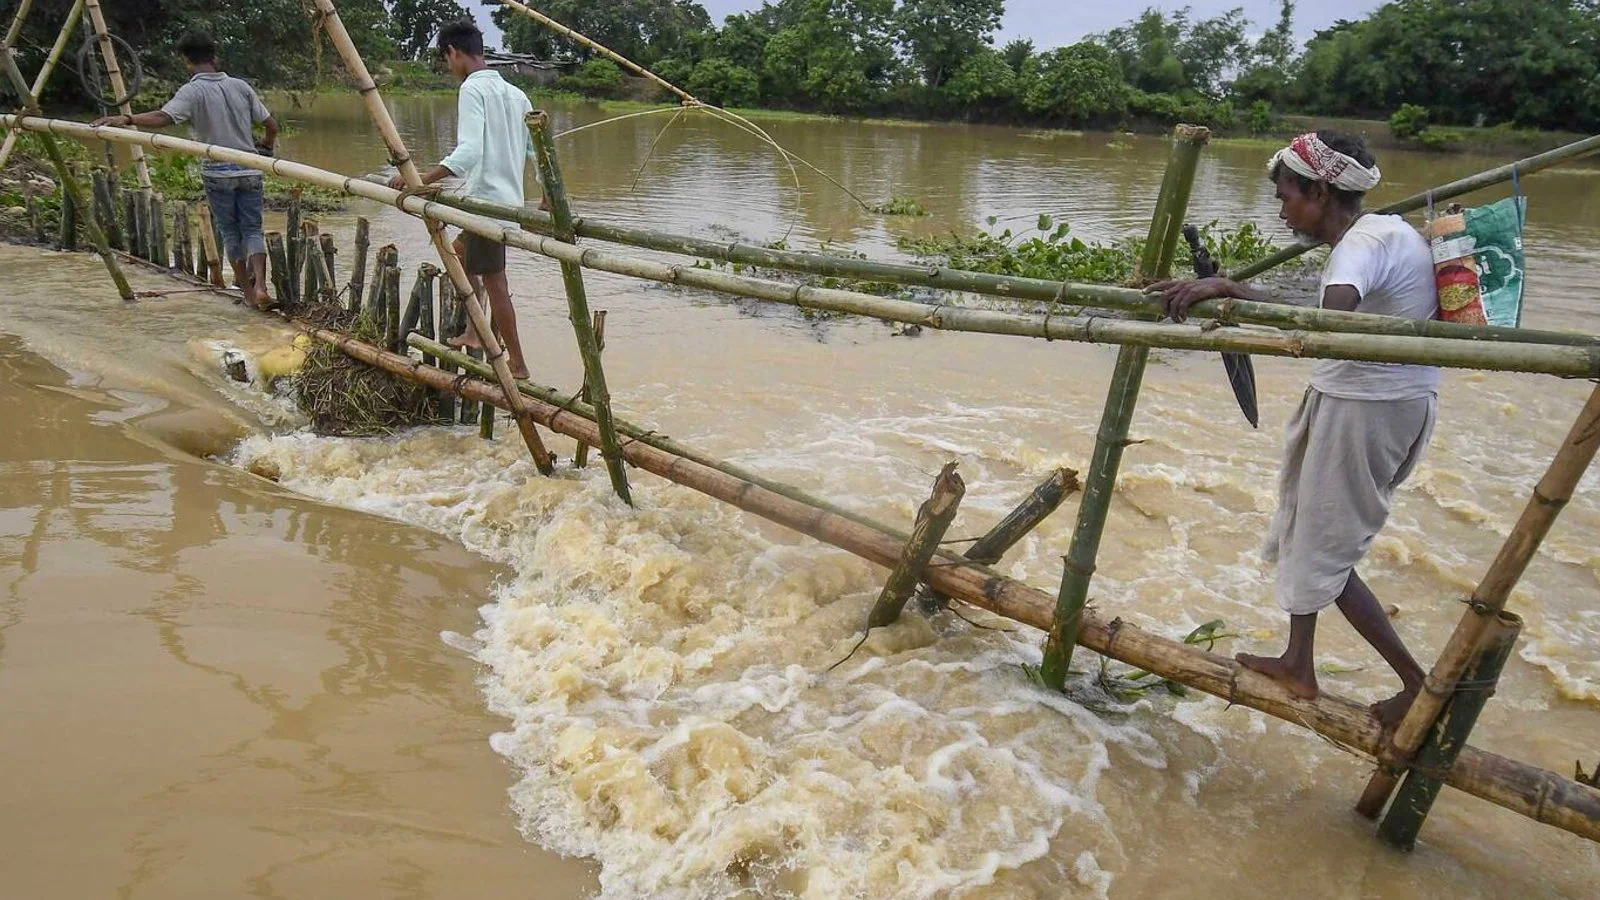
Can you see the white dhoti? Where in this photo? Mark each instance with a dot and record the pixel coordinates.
(1342, 461)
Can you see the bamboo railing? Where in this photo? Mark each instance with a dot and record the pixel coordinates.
(1012, 287)
(1564, 361)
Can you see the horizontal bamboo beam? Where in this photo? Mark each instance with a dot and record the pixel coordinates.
(1478, 182)
(1012, 287)
(1529, 790)
(1568, 362)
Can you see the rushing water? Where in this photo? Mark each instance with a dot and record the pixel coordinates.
(214, 682)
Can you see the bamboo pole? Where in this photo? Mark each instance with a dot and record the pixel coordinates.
(1449, 734)
(374, 305)
(311, 261)
(1172, 205)
(1034, 509)
(1537, 793)
(158, 232)
(208, 246)
(391, 307)
(30, 96)
(580, 459)
(450, 314)
(295, 248)
(1564, 361)
(358, 266)
(67, 228)
(933, 520)
(330, 254)
(1490, 178)
(594, 374)
(1011, 287)
(1550, 497)
(108, 54)
(324, 255)
(17, 20)
(278, 261)
(183, 246)
(379, 114)
(105, 209)
(130, 217)
(469, 408)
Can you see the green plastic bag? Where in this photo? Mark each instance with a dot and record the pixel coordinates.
(1478, 263)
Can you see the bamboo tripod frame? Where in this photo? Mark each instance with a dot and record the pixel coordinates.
(1540, 794)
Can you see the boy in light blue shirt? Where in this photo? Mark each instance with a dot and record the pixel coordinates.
(492, 149)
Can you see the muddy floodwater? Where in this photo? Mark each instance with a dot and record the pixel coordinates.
(411, 668)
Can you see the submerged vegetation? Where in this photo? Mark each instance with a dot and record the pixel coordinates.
(1050, 252)
(345, 397)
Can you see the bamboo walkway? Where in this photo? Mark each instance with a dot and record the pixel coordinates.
(1428, 749)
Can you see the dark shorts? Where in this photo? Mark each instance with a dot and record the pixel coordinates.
(481, 256)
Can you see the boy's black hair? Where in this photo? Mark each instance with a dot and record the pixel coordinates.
(462, 35)
(197, 47)
(1350, 145)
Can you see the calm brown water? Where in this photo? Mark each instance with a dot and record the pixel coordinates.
(219, 687)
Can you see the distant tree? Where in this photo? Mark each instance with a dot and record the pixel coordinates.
(1146, 50)
(834, 54)
(985, 81)
(417, 22)
(641, 30)
(725, 83)
(1017, 53)
(1211, 49)
(1273, 65)
(1080, 84)
(939, 35)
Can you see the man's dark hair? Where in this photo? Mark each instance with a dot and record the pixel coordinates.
(1350, 145)
(197, 47)
(462, 35)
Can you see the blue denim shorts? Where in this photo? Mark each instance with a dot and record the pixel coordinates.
(236, 202)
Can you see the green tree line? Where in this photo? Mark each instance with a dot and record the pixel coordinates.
(1468, 62)
(1529, 63)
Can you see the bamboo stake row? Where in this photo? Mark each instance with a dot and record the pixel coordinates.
(1537, 793)
(1564, 361)
(1498, 175)
(1242, 312)
(357, 68)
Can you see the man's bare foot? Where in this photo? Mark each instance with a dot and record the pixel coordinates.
(1301, 683)
(468, 341)
(1392, 710)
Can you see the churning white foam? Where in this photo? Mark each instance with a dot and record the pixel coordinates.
(664, 671)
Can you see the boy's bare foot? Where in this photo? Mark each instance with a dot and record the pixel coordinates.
(1392, 710)
(1300, 681)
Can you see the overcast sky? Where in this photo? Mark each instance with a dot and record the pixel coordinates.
(1052, 23)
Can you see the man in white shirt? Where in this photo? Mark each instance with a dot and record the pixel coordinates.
(492, 148)
(1361, 428)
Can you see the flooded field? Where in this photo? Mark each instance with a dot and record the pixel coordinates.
(413, 669)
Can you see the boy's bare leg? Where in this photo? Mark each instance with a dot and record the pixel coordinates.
(505, 320)
(467, 340)
(1367, 616)
(1295, 669)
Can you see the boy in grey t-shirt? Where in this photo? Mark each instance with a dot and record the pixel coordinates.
(224, 111)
